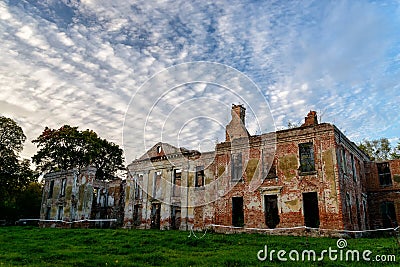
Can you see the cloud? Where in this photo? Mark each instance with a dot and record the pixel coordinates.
(80, 62)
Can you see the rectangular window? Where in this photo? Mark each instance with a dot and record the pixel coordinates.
(358, 213)
(137, 189)
(344, 161)
(199, 180)
(388, 214)
(137, 215)
(50, 195)
(306, 153)
(48, 212)
(60, 212)
(385, 178)
(348, 207)
(236, 167)
(63, 185)
(353, 167)
(96, 196)
(156, 183)
(177, 183)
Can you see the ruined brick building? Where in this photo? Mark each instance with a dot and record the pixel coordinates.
(76, 198)
(312, 175)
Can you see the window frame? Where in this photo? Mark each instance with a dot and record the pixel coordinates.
(236, 167)
(306, 158)
(63, 187)
(51, 189)
(199, 175)
(385, 178)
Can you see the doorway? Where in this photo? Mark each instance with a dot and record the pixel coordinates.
(175, 217)
(155, 215)
(237, 212)
(311, 211)
(271, 210)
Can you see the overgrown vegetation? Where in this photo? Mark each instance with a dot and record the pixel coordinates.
(106, 247)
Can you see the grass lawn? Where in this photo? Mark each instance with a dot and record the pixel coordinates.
(31, 246)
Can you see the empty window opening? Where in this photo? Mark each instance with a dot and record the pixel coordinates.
(138, 191)
(159, 149)
(385, 178)
(96, 196)
(176, 191)
(155, 216)
(137, 215)
(199, 179)
(48, 212)
(175, 217)
(348, 207)
(60, 212)
(306, 153)
(353, 167)
(156, 183)
(50, 195)
(344, 161)
(388, 214)
(237, 212)
(63, 185)
(236, 167)
(311, 211)
(365, 212)
(358, 213)
(271, 210)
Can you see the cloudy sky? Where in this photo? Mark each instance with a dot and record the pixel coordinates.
(121, 67)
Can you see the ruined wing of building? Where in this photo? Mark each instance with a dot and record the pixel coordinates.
(311, 176)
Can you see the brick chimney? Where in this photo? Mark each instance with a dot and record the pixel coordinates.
(239, 111)
(311, 119)
(236, 127)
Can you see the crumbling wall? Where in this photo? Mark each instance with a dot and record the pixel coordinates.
(67, 196)
(72, 196)
(383, 200)
(288, 184)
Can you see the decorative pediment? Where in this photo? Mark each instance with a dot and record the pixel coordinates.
(158, 150)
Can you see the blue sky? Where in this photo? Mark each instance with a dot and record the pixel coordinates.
(84, 63)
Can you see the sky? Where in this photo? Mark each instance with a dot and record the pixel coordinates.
(140, 72)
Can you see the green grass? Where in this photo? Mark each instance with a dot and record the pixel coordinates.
(31, 246)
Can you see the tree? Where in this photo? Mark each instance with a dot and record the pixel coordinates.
(396, 152)
(12, 137)
(378, 149)
(28, 201)
(15, 174)
(68, 148)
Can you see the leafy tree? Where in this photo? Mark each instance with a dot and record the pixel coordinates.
(396, 152)
(378, 149)
(12, 137)
(15, 174)
(68, 148)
